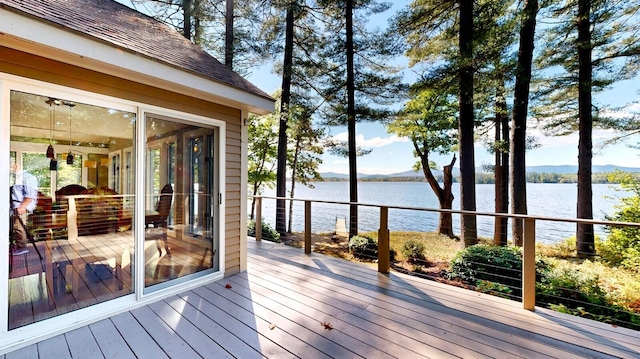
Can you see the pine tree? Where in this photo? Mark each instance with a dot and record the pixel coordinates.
(357, 83)
(595, 44)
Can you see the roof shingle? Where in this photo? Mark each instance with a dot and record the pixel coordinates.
(118, 25)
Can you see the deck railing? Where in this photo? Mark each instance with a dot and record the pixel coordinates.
(384, 263)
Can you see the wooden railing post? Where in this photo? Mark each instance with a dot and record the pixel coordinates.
(383, 241)
(307, 227)
(258, 218)
(529, 265)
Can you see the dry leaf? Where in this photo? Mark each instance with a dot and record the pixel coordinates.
(327, 325)
(228, 286)
(272, 326)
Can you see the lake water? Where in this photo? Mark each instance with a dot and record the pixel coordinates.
(548, 200)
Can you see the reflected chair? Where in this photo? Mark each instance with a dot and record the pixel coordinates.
(158, 219)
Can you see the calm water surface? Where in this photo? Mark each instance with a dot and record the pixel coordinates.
(549, 200)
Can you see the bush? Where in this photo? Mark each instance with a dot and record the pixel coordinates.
(499, 265)
(364, 247)
(579, 293)
(622, 247)
(413, 249)
(492, 263)
(268, 233)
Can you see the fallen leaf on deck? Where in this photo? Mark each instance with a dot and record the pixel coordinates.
(228, 286)
(327, 325)
(272, 326)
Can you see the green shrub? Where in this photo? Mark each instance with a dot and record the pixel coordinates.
(492, 263)
(496, 264)
(497, 289)
(268, 233)
(413, 249)
(364, 247)
(579, 293)
(622, 247)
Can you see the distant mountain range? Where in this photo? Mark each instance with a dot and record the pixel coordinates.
(563, 169)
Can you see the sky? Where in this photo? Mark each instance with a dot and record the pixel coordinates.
(393, 154)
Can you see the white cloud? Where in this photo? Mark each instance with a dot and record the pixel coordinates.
(372, 142)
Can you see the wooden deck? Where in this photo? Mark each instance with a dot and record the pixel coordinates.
(276, 310)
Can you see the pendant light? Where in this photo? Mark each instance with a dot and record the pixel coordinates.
(50, 152)
(70, 155)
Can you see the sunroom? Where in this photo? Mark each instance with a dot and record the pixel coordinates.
(137, 143)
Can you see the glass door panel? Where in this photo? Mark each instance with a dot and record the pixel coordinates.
(73, 248)
(181, 193)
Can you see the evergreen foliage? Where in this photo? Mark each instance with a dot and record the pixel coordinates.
(622, 246)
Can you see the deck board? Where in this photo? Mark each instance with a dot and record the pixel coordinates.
(109, 340)
(82, 344)
(276, 310)
(54, 348)
(140, 342)
(488, 311)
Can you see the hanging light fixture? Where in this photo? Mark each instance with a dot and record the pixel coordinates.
(70, 155)
(51, 101)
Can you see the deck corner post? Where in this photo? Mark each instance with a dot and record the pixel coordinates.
(258, 218)
(307, 227)
(529, 265)
(383, 241)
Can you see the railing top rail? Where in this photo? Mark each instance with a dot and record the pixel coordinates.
(455, 211)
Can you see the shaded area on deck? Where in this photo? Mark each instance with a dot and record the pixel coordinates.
(277, 309)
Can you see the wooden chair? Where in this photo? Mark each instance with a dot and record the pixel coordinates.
(158, 219)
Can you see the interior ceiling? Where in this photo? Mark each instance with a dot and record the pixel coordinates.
(38, 117)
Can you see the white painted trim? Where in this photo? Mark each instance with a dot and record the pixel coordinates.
(5, 147)
(221, 149)
(244, 178)
(140, 153)
(39, 38)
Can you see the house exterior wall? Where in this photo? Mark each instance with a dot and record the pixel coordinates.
(38, 68)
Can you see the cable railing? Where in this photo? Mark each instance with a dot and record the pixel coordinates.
(516, 275)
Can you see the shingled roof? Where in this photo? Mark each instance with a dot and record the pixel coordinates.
(120, 26)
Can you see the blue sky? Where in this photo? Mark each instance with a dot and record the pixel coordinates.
(391, 154)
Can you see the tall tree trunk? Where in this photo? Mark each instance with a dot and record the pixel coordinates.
(351, 123)
(446, 201)
(466, 125)
(519, 126)
(444, 194)
(228, 39)
(584, 234)
(505, 172)
(186, 21)
(281, 172)
(501, 173)
(253, 200)
(294, 166)
(198, 31)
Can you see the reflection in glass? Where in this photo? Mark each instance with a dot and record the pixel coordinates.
(80, 226)
(180, 201)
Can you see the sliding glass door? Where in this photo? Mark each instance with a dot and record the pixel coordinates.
(73, 247)
(181, 200)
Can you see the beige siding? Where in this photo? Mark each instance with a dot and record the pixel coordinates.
(232, 198)
(38, 68)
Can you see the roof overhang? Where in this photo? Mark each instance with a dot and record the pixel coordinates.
(53, 42)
